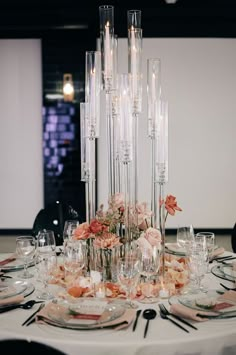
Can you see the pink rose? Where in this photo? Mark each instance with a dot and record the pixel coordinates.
(144, 245)
(153, 236)
(144, 215)
(116, 202)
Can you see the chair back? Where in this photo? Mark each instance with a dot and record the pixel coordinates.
(53, 217)
(233, 239)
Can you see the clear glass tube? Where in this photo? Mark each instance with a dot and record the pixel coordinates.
(135, 66)
(84, 146)
(126, 121)
(106, 15)
(92, 91)
(134, 18)
(162, 145)
(153, 94)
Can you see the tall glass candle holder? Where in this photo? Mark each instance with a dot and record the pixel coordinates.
(106, 14)
(162, 171)
(92, 91)
(135, 73)
(153, 100)
(88, 163)
(126, 146)
(153, 94)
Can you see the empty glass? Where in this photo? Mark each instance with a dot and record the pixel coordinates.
(150, 263)
(25, 249)
(185, 236)
(198, 262)
(46, 257)
(128, 269)
(210, 241)
(69, 227)
(74, 257)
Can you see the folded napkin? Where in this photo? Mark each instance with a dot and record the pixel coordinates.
(217, 252)
(185, 312)
(228, 296)
(128, 317)
(12, 300)
(7, 260)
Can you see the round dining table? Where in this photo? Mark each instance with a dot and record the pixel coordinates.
(215, 336)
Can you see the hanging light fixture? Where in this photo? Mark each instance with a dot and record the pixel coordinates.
(68, 88)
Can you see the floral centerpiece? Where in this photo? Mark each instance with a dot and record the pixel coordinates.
(107, 229)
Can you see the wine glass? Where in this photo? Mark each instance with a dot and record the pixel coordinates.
(150, 263)
(128, 270)
(69, 227)
(46, 254)
(74, 257)
(25, 249)
(185, 236)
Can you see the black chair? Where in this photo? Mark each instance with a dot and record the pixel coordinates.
(53, 217)
(233, 239)
(24, 347)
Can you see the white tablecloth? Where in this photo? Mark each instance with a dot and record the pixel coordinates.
(216, 337)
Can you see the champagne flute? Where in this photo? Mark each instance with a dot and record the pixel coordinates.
(46, 253)
(25, 249)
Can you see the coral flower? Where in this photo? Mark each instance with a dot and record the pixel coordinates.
(171, 205)
(107, 240)
(82, 231)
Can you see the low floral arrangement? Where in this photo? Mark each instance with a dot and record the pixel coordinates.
(106, 228)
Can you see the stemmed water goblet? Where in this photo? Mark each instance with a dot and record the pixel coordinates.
(25, 249)
(185, 236)
(74, 257)
(128, 271)
(210, 243)
(150, 263)
(46, 258)
(69, 227)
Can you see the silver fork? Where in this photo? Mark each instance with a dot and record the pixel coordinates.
(165, 311)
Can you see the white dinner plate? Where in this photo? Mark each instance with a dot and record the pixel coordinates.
(85, 314)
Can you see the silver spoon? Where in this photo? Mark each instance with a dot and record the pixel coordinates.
(148, 314)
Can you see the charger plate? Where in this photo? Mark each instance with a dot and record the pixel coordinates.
(16, 264)
(11, 287)
(206, 302)
(84, 315)
(228, 271)
(217, 271)
(174, 248)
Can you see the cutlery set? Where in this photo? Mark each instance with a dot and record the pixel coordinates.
(150, 314)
